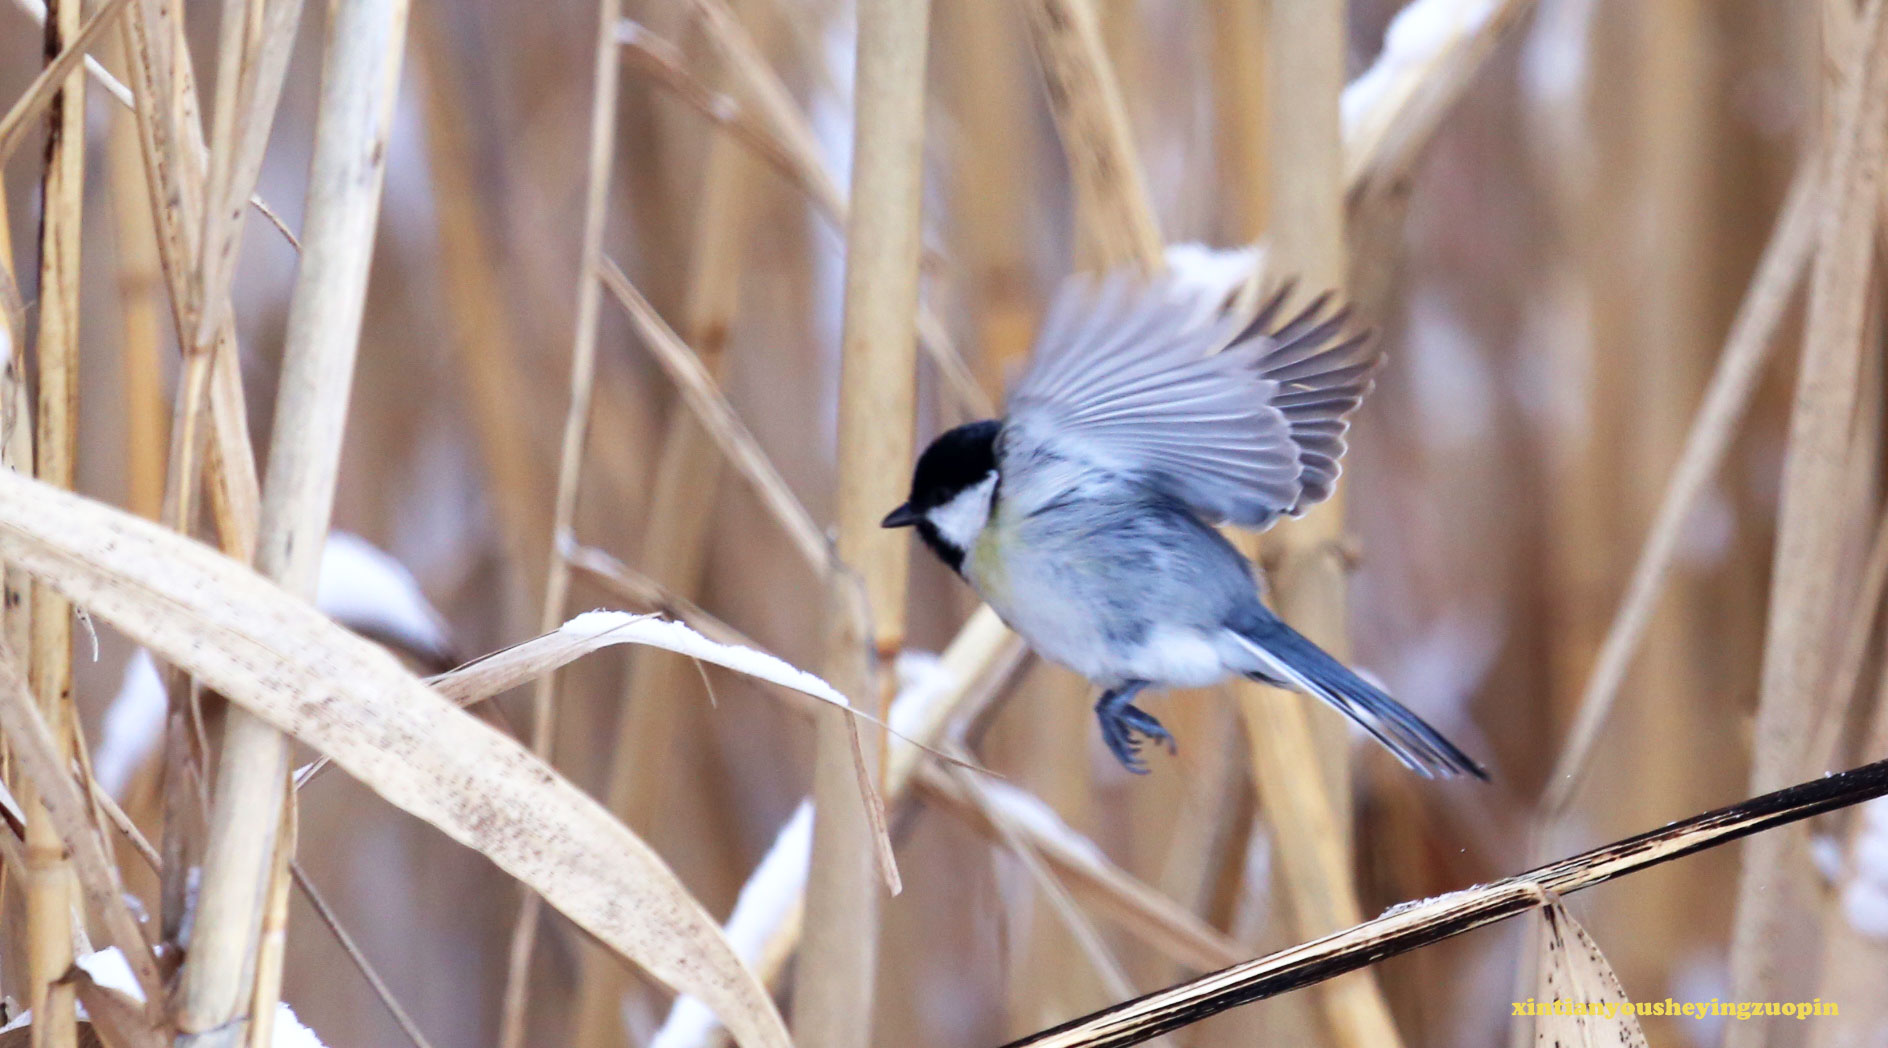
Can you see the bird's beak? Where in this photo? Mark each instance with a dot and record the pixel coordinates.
(902, 517)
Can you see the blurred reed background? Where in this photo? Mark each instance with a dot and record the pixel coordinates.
(1634, 393)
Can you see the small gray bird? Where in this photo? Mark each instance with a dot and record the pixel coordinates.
(1083, 517)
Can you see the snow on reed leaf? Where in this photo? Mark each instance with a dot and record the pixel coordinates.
(592, 630)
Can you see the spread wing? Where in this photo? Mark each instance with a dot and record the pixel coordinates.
(1242, 419)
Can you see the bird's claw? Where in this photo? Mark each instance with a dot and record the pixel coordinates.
(1125, 727)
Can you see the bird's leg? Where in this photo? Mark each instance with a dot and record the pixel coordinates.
(1121, 723)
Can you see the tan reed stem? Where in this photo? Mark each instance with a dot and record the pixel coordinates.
(832, 1000)
(359, 82)
(656, 703)
(51, 889)
(1809, 576)
(583, 356)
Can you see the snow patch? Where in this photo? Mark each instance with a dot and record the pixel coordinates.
(133, 722)
(1216, 274)
(1865, 897)
(110, 969)
(1416, 37)
(365, 589)
(775, 887)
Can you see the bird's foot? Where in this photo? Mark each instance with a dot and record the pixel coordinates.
(1124, 727)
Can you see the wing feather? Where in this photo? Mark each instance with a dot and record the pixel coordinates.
(1242, 419)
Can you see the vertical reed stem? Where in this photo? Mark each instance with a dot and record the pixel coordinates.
(657, 694)
(359, 82)
(877, 402)
(1814, 520)
(140, 287)
(16, 437)
(583, 362)
(1300, 749)
(51, 889)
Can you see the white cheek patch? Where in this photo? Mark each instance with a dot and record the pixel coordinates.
(960, 520)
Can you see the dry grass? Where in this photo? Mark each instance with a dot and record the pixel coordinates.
(1613, 519)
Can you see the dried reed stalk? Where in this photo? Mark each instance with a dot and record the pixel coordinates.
(16, 435)
(756, 81)
(1414, 925)
(1238, 35)
(51, 888)
(255, 43)
(583, 356)
(257, 38)
(140, 286)
(46, 762)
(273, 936)
(360, 79)
(838, 959)
(675, 544)
(1809, 574)
(1092, 119)
(175, 159)
(1300, 750)
(170, 140)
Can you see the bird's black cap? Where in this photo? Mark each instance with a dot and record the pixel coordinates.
(957, 459)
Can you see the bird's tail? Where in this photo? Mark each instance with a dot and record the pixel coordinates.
(1285, 656)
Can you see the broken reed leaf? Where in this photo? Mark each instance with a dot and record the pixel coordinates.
(278, 657)
(1571, 970)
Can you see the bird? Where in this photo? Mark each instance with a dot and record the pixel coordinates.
(1086, 516)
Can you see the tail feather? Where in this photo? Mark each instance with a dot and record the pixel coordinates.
(1286, 656)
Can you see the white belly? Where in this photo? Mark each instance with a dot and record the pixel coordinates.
(1064, 632)
(1180, 658)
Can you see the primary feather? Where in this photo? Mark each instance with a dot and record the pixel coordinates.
(1237, 418)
